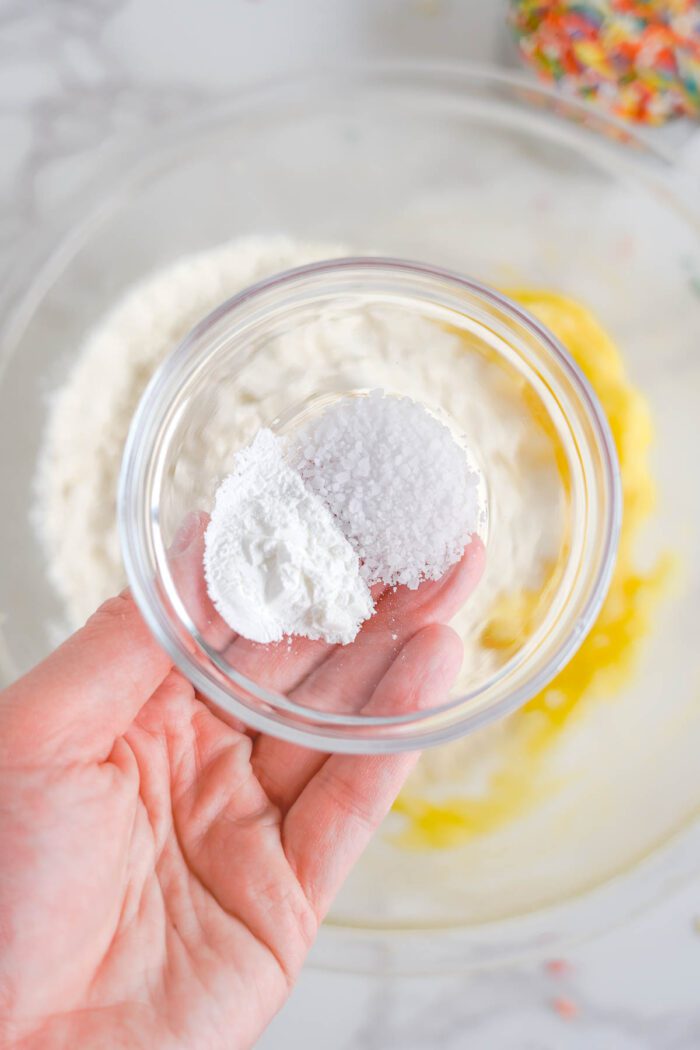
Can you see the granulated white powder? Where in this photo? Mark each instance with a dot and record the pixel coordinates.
(399, 486)
(275, 562)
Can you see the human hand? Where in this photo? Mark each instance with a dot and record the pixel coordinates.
(163, 874)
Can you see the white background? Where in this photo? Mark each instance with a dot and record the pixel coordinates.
(78, 79)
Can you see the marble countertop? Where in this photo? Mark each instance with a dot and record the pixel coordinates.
(77, 80)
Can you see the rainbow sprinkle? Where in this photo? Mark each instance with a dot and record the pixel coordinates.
(566, 1008)
(639, 57)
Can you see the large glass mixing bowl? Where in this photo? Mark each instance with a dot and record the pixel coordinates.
(486, 175)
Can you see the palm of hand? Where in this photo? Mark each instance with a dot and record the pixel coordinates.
(163, 873)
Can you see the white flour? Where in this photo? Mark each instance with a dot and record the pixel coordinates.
(90, 414)
(275, 561)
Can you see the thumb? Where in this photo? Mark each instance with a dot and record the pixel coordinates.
(74, 704)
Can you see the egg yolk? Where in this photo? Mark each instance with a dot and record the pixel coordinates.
(605, 661)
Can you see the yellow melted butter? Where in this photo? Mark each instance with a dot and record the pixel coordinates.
(605, 661)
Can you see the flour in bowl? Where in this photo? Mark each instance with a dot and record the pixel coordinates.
(90, 414)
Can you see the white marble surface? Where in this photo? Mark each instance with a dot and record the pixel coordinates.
(78, 78)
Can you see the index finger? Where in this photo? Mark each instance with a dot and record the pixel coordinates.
(336, 814)
(347, 679)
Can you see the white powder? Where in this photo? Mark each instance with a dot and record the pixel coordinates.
(275, 562)
(398, 484)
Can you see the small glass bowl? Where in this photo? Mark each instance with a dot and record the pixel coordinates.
(272, 321)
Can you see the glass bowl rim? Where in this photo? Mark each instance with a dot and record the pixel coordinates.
(414, 949)
(44, 256)
(324, 730)
(47, 252)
